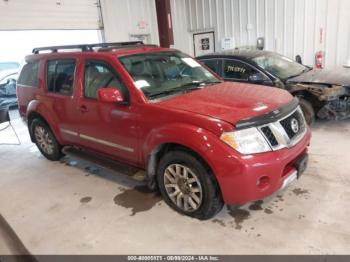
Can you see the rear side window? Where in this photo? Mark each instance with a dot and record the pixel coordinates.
(60, 76)
(29, 75)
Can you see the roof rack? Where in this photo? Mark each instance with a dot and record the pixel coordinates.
(87, 47)
(111, 48)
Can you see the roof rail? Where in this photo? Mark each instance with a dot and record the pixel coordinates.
(111, 48)
(86, 47)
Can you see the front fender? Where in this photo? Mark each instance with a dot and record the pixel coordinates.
(224, 162)
(197, 139)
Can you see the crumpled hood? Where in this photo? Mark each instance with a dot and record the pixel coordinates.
(230, 102)
(338, 76)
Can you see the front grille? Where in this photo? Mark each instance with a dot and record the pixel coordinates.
(285, 132)
(293, 125)
(269, 135)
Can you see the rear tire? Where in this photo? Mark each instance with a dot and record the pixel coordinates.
(45, 140)
(308, 110)
(188, 186)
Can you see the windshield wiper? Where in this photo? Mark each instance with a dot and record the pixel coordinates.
(184, 88)
(307, 69)
(164, 92)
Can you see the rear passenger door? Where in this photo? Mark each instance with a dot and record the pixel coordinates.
(60, 85)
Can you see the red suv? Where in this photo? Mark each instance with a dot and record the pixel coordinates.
(203, 142)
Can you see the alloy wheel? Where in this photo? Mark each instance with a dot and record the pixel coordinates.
(183, 187)
(44, 140)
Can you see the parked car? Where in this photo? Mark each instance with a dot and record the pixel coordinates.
(8, 79)
(322, 93)
(203, 142)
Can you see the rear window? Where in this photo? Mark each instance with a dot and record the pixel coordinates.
(60, 76)
(29, 74)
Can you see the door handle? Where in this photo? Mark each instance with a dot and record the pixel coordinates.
(84, 109)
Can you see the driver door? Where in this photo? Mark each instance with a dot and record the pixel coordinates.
(108, 128)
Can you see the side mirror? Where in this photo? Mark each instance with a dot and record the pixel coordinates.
(257, 78)
(260, 43)
(110, 95)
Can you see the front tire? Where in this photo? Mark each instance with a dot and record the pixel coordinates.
(45, 140)
(308, 110)
(188, 186)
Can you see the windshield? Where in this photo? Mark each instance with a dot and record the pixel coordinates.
(280, 66)
(166, 73)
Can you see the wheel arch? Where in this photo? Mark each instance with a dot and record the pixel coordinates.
(160, 150)
(34, 114)
(31, 116)
(37, 109)
(313, 99)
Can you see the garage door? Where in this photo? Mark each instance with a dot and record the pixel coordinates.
(49, 14)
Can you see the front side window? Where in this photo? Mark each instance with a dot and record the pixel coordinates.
(165, 73)
(98, 75)
(237, 70)
(29, 74)
(280, 66)
(213, 64)
(60, 76)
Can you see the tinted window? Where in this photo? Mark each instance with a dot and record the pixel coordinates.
(237, 70)
(60, 76)
(100, 75)
(213, 64)
(29, 74)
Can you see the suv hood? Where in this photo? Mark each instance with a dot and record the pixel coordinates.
(230, 102)
(339, 76)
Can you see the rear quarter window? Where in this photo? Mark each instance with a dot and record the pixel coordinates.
(29, 75)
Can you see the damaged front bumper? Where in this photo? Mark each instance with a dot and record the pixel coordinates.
(334, 100)
(336, 103)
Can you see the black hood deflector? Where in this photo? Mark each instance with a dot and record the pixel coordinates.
(269, 117)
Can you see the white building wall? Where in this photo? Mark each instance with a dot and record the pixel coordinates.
(290, 27)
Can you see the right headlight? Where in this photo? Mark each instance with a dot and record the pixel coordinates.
(246, 141)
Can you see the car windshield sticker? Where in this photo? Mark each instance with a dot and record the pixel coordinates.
(191, 62)
(141, 83)
(235, 69)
